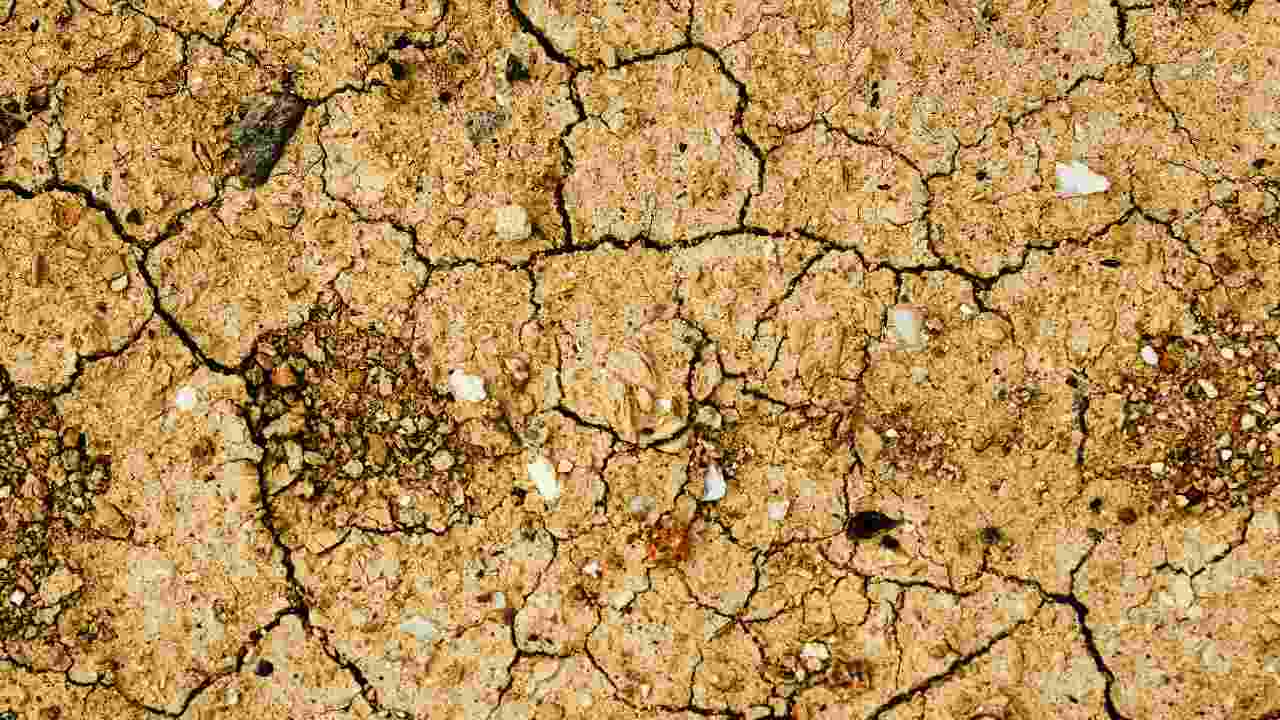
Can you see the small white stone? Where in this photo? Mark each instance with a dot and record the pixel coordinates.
(967, 311)
(1227, 353)
(778, 509)
(543, 475)
(467, 387)
(17, 598)
(419, 627)
(1149, 356)
(353, 468)
(1210, 391)
(907, 325)
(714, 485)
(1248, 422)
(186, 398)
(119, 284)
(1076, 179)
(1225, 454)
(592, 568)
(512, 223)
(1157, 468)
(500, 600)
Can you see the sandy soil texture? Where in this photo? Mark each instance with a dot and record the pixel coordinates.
(538, 359)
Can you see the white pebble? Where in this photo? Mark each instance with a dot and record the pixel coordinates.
(419, 627)
(1225, 454)
(907, 324)
(714, 485)
(354, 468)
(1149, 356)
(186, 398)
(17, 598)
(1157, 468)
(1248, 422)
(1076, 179)
(1227, 353)
(512, 223)
(467, 387)
(592, 568)
(778, 509)
(543, 475)
(1210, 391)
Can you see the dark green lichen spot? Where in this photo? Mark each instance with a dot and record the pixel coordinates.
(516, 71)
(266, 124)
(991, 535)
(869, 523)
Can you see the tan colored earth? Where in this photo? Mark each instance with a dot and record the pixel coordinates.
(666, 359)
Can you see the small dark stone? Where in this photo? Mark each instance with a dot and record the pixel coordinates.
(11, 106)
(889, 542)
(1127, 516)
(1094, 534)
(259, 138)
(981, 175)
(1111, 263)
(1260, 163)
(991, 535)
(869, 523)
(519, 493)
(10, 126)
(264, 668)
(445, 97)
(1095, 505)
(37, 100)
(516, 71)
(397, 70)
(133, 217)
(682, 147)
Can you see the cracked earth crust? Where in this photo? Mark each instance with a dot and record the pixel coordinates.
(674, 359)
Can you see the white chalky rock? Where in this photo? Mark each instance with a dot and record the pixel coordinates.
(419, 627)
(545, 479)
(907, 324)
(778, 509)
(513, 223)
(186, 398)
(714, 486)
(1076, 179)
(467, 387)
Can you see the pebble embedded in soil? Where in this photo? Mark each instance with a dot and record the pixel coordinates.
(714, 485)
(512, 223)
(469, 388)
(543, 475)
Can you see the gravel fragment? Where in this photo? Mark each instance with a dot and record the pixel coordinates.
(1149, 356)
(469, 388)
(512, 223)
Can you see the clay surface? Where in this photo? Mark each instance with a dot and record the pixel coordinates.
(676, 359)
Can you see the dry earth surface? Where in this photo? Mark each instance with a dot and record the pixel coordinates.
(662, 359)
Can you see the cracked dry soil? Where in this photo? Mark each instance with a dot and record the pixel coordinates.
(662, 359)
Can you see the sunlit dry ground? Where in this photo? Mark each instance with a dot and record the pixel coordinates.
(649, 359)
